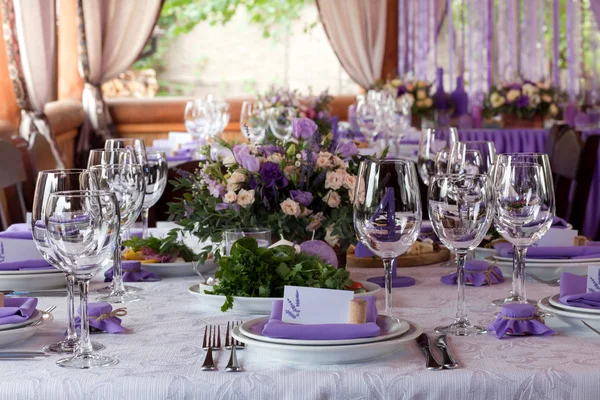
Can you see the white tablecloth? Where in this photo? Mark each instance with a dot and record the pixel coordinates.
(160, 358)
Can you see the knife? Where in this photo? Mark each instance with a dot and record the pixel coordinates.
(53, 293)
(447, 359)
(424, 344)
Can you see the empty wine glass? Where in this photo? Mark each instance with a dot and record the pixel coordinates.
(253, 122)
(135, 145)
(49, 182)
(366, 118)
(113, 156)
(127, 182)
(387, 212)
(280, 122)
(433, 140)
(199, 119)
(156, 170)
(461, 210)
(222, 109)
(480, 153)
(525, 209)
(82, 229)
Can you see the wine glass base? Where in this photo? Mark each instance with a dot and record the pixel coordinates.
(108, 289)
(120, 298)
(87, 361)
(397, 281)
(511, 300)
(66, 347)
(464, 328)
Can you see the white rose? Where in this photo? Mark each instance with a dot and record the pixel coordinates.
(275, 158)
(290, 207)
(534, 100)
(331, 239)
(333, 199)
(529, 89)
(396, 83)
(235, 181)
(421, 95)
(512, 95)
(230, 197)
(496, 100)
(350, 182)
(323, 159)
(245, 197)
(334, 179)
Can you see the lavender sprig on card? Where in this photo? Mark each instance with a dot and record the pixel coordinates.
(595, 283)
(295, 313)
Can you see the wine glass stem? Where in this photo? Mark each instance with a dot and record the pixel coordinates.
(85, 344)
(387, 266)
(145, 222)
(520, 254)
(71, 335)
(117, 282)
(461, 312)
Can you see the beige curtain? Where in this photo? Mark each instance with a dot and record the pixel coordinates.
(356, 31)
(29, 30)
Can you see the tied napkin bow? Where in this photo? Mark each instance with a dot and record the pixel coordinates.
(573, 290)
(519, 319)
(477, 272)
(103, 318)
(132, 272)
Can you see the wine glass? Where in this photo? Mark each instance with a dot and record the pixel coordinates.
(81, 229)
(49, 182)
(222, 108)
(253, 122)
(366, 118)
(156, 170)
(433, 140)
(128, 183)
(387, 212)
(113, 156)
(136, 145)
(280, 121)
(525, 208)
(480, 153)
(199, 118)
(461, 211)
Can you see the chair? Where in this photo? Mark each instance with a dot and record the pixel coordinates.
(11, 180)
(556, 132)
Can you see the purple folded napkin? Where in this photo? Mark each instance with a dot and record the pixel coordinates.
(132, 272)
(25, 265)
(16, 234)
(180, 157)
(519, 319)
(103, 318)
(275, 328)
(477, 272)
(559, 223)
(22, 227)
(551, 252)
(17, 309)
(573, 292)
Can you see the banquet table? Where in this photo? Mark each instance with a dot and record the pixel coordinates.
(160, 355)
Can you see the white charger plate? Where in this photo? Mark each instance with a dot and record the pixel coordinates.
(12, 336)
(34, 317)
(555, 302)
(178, 269)
(389, 328)
(541, 270)
(255, 305)
(551, 261)
(32, 272)
(29, 282)
(338, 354)
(570, 317)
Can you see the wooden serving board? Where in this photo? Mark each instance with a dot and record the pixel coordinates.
(402, 261)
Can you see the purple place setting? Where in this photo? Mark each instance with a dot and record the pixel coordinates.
(573, 290)
(519, 319)
(17, 309)
(477, 273)
(103, 318)
(132, 272)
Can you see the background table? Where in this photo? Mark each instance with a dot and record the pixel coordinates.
(161, 358)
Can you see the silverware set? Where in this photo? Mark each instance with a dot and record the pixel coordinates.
(441, 343)
(212, 342)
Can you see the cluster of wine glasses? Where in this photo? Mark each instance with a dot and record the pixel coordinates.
(80, 218)
(205, 118)
(256, 120)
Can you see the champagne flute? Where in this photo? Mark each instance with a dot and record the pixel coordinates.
(82, 228)
(461, 210)
(253, 122)
(433, 140)
(387, 212)
(155, 172)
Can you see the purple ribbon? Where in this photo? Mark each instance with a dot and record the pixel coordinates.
(478, 273)
(101, 319)
(519, 319)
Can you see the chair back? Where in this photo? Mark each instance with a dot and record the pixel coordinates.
(11, 181)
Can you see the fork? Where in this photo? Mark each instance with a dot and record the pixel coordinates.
(551, 282)
(211, 341)
(44, 313)
(231, 343)
(592, 328)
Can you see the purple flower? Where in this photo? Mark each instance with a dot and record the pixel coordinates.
(303, 128)
(270, 149)
(401, 91)
(522, 101)
(309, 156)
(272, 176)
(346, 150)
(243, 157)
(215, 188)
(304, 198)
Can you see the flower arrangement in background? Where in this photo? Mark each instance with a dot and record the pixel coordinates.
(300, 191)
(524, 100)
(418, 94)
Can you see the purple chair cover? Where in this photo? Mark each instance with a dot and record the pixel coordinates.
(17, 309)
(275, 328)
(132, 272)
(25, 265)
(110, 325)
(573, 292)
(477, 272)
(519, 319)
(551, 253)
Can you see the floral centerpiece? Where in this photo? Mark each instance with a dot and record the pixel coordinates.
(300, 190)
(418, 95)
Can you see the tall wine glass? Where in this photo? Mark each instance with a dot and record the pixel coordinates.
(156, 170)
(49, 182)
(199, 118)
(461, 210)
(253, 122)
(113, 156)
(387, 212)
(127, 182)
(525, 209)
(367, 119)
(483, 153)
(433, 140)
(280, 122)
(82, 229)
(136, 145)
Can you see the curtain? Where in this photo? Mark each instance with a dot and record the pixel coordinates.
(595, 6)
(112, 34)
(29, 31)
(356, 31)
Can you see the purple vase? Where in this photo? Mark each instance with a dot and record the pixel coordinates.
(460, 98)
(440, 99)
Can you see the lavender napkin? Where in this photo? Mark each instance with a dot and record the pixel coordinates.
(16, 233)
(132, 272)
(17, 309)
(275, 328)
(550, 252)
(519, 319)
(477, 272)
(25, 265)
(573, 292)
(559, 223)
(103, 318)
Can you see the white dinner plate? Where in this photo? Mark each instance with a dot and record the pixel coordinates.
(34, 317)
(570, 317)
(555, 302)
(29, 282)
(541, 270)
(389, 328)
(338, 354)
(32, 272)
(178, 269)
(551, 261)
(12, 336)
(255, 305)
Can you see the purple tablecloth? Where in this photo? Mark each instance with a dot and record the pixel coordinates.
(533, 140)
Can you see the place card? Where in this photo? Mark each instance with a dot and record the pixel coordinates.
(312, 306)
(18, 250)
(593, 279)
(556, 237)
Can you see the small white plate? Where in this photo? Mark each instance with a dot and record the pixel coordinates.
(255, 305)
(32, 272)
(389, 328)
(177, 269)
(540, 270)
(34, 317)
(29, 282)
(12, 336)
(338, 354)
(569, 317)
(555, 302)
(551, 261)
